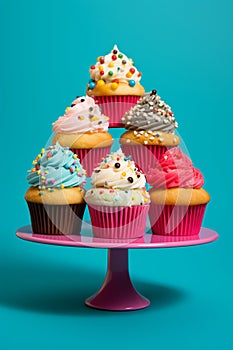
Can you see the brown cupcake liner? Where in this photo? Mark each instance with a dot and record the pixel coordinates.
(55, 219)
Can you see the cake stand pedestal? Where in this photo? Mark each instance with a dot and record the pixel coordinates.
(117, 292)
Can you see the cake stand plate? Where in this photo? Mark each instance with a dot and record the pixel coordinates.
(117, 292)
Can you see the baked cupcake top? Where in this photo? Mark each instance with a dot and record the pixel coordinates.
(175, 170)
(117, 182)
(83, 116)
(150, 114)
(56, 167)
(112, 70)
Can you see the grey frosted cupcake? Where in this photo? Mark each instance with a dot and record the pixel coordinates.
(151, 129)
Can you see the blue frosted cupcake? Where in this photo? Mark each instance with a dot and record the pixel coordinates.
(55, 198)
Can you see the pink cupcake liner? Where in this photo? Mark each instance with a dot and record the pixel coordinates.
(176, 220)
(144, 156)
(118, 222)
(91, 157)
(56, 219)
(115, 107)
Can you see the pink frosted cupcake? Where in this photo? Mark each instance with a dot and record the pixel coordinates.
(178, 200)
(115, 85)
(151, 131)
(84, 129)
(118, 202)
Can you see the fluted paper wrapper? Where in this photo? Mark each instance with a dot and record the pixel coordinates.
(118, 222)
(56, 219)
(91, 157)
(144, 156)
(115, 107)
(179, 220)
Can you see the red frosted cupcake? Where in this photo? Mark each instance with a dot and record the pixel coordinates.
(118, 202)
(178, 201)
(115, 85)
(151, 126)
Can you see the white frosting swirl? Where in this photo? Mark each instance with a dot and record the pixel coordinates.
(84, 116)
(117, 171)
(120, 67)
(117, 198)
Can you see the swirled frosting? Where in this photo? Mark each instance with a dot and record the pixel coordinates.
(83, 116)
(117, 182)
(150, 113)
(114, 67)
(56, 167)
(175, 169)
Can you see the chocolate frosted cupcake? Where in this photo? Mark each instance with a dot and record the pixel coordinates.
(118, 202)
(151, 130)
(115, 85)
(55, 198)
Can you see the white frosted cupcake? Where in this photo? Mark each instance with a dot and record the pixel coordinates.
(118, 202)
(115, 84)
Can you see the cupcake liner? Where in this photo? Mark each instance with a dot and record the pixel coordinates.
(91, 157)
(115, 107)
(144, 156)
(118, 222)
(56, 219)
(176, 220)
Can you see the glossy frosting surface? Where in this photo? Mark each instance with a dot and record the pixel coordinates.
(84, 116)
(115, 65)
(175, 169)
(56, 167)
(116, 181)
(150, 114)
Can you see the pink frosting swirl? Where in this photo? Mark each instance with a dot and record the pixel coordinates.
(84, 116)
(175, 169)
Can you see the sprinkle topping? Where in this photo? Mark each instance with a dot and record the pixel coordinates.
(150, 114)
(121, 68)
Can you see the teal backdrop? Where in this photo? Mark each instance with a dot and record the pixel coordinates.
(185, 51)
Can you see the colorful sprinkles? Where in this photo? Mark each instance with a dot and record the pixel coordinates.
(110, 66)
(149, 115)
(43, 160)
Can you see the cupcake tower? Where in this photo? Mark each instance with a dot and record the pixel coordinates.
(118, 201)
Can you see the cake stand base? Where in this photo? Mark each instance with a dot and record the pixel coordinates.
(117, 292)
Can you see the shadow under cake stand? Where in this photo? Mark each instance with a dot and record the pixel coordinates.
(117, 292)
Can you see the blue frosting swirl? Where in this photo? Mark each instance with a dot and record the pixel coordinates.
(56, 167)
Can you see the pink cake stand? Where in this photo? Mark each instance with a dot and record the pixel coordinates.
(117, 292)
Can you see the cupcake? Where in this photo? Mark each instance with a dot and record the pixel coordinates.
(115, 85)
(151, 126)
(55, 198)
(84, 128)
(178, 200)
(118, 202)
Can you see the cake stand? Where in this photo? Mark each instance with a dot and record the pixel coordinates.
(117, 292)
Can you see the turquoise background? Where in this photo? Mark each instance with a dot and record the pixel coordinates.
(185, 51)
